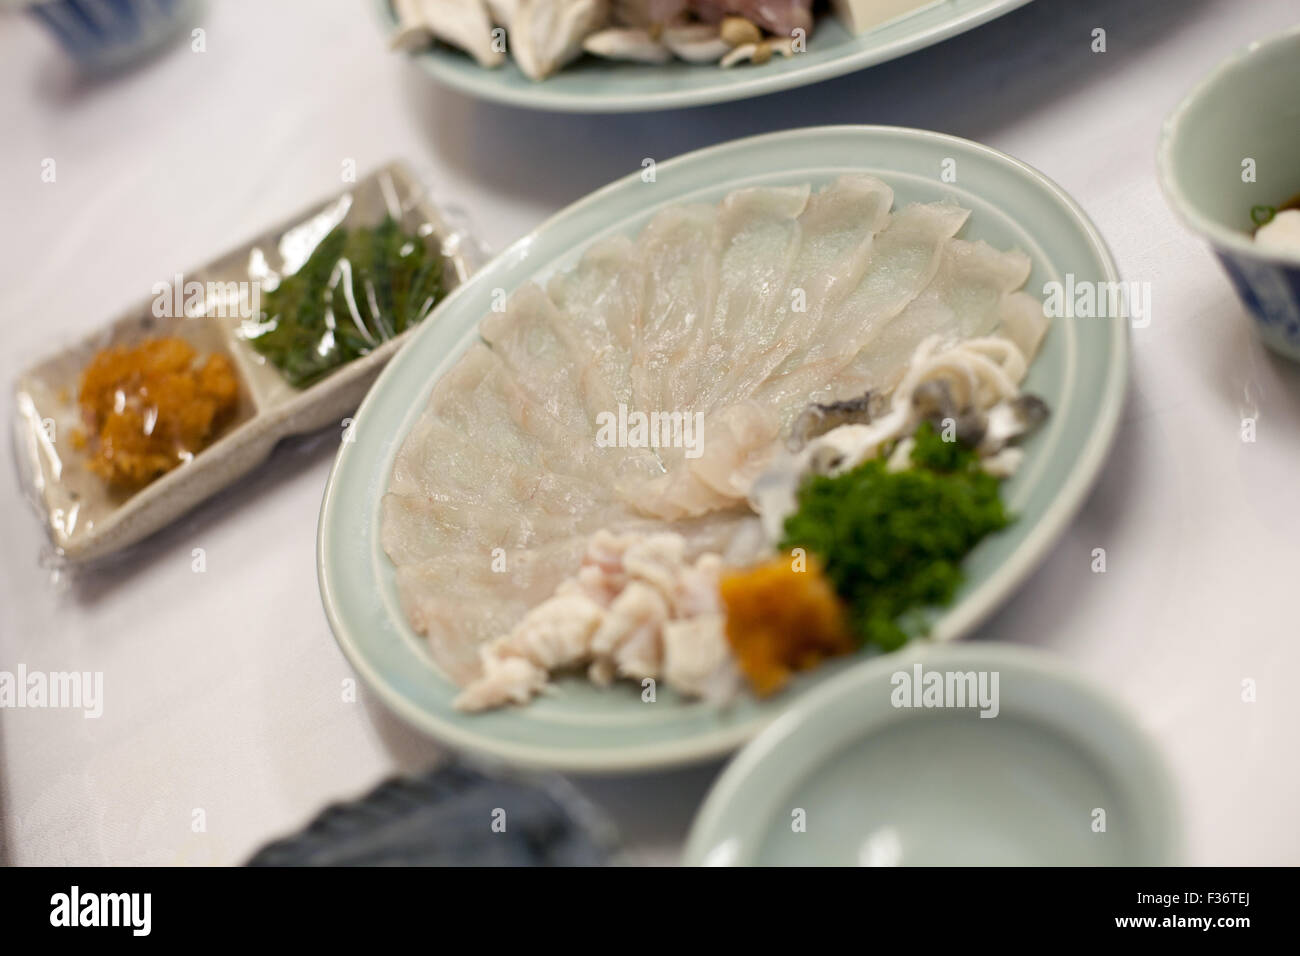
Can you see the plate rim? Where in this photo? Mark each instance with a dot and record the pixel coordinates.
(433, 63)
(1001, 584)
(1153, 770)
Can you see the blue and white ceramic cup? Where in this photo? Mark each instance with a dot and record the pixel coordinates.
(1230, 151)
(106, 34)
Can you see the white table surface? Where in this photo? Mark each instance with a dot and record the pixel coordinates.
(222, 689)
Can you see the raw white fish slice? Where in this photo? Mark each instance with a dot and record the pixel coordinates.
(500, 412)
(415, 530)
(516, 509)
(484, 467)
(454, 472)
(974, 278)
(453, 619)
(1021, 319)
(549, 365)
(679, 259)
(441, 452)
(839, 226)
(758, 237)
(600, 303)
(964, 300)
(486, 404)
(552, 370)
(676, 495)
(425, 527)
(439, 460)
(905, 256)
(742, 440)
(524, 337)
(459, 602)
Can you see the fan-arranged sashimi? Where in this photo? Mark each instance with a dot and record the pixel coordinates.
(583, 475)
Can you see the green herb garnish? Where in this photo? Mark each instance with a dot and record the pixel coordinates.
(893, 542)
(1262, 215)
(359, 288)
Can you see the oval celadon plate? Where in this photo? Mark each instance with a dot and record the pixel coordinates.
(593, 85)
(854, 773)
(1080, 372)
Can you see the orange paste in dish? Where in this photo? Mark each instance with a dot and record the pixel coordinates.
(781, 620)
(150, 407)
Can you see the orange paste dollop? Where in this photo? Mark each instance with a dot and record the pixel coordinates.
(150, 407)
(783, 616)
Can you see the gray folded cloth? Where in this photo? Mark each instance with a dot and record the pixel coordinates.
(453, 816)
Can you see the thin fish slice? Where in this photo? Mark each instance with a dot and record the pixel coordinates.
(742, 438)
(830, 249)
(440, 454)
(486, 468)
(524, 337)
(964, 300)
(500, 413)
(681, 280)
(905, 257)
(458, 602)
(1022, 320)
(547, 367)
(515, 439)
(839, 226)
(758, 237)
(513, 508)
(600, 301)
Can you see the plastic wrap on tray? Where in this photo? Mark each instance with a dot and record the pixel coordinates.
(183, 394)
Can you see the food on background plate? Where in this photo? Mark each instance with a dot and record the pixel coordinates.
(687, 404)
(859, 16)
(150, 407)
(1277, 229)
(543, 36)
(360, 287)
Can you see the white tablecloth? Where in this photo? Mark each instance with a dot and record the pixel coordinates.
(222, 689)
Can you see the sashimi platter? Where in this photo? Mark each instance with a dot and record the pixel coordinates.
(706, 437)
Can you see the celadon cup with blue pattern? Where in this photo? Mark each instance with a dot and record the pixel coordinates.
(105, 35)
(1229, 149)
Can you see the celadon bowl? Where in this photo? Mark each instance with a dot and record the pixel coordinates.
(1234, 144)
(856, 773)
(1081, 372)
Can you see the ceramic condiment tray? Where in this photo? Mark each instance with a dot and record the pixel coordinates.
(86, 518)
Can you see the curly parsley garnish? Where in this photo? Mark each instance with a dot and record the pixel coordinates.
(893, 542)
